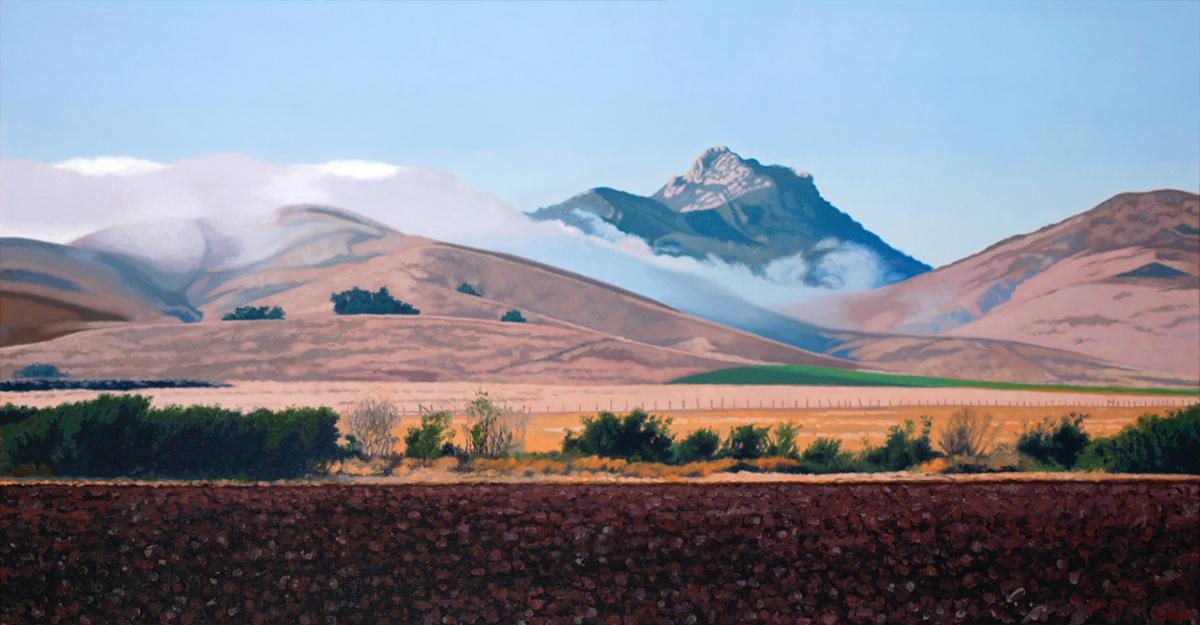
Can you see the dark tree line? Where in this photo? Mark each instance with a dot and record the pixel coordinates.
(358, 301)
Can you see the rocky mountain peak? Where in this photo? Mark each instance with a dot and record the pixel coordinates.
(770, 218)
(717, 176)
(714, 161)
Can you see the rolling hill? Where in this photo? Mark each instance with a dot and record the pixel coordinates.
(158, 306)
(1120, 282)
(47, 290)
(421, 348)
(578, 328)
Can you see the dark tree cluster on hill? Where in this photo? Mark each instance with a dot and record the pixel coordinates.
(470, 289)
(59, 384)
(358, 301)
(254, 313)
(39, 371)
(513, 316)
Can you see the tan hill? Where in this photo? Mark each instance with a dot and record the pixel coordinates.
(1120, 282)
(578, 329)
(995, 360)
(48, 290)
(364, 347)
(351, 251)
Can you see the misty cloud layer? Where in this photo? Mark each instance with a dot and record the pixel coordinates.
(235, 194)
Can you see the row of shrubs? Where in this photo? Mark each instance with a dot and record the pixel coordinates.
(358, 301)
(1153, 444)
(124, 436)
(639, 437)
(490, 431)
(40, 376)
(58, 384)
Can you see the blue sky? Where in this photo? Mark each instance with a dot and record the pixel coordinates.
(942, 126)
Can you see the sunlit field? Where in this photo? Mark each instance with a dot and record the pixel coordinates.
(853, 414)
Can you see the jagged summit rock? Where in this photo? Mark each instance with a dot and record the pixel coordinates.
(769, 218)
(716, 177)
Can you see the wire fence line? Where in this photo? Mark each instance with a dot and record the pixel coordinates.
(744, 403)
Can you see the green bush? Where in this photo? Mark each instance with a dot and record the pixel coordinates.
(427, 441)
(39, 371)
(782, 442)
(903, 449)
(357, 301)
(1056, 443)
(746, 442)
(122, 435)
(12, 413)
(513, 316)
(469, 289)
(697, 446)
(491, 431)
(1153, 444)
(637, 437)
(192, 436)
(254, 313)
(825, 455)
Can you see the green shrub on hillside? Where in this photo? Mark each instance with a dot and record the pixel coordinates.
(1153, 444)
(513, 316)
(470, 289)
(39, 371)
(254, 313)
(1056, 443)
(636, 437)
(357, 301)
(122, 435)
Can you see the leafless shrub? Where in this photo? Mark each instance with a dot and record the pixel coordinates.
(370, 422)
(967, 433)
(491, 431)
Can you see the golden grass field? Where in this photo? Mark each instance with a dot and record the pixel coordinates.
(854, 414)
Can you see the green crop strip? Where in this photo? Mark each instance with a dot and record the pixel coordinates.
(806, 375)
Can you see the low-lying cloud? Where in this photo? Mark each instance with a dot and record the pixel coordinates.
(68, 200)
(109, 166)
(358, 170)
